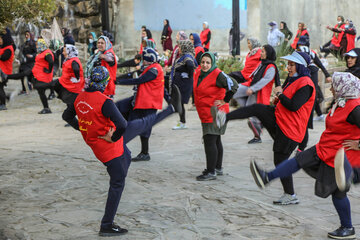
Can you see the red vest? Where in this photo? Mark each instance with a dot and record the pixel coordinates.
(198, 50)
(337, 130)
(68, 73)
(336, 39)
(294, 124)
(93, 124)
(203, 37)
(206, 93)
(150, 94)
(40, 64)
(264, 94)
(297, 36)
(7, 66)
(350, 42)
(110, 88)
(251, 63)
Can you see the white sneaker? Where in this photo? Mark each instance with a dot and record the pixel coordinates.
(287, 199)
(319, 118)
(179, 126)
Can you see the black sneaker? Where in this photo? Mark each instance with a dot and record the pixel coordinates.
(343, 233)
(343, 171)
(114, 230)
(260, 176)
(51, 96)
(175, 100)
(255, 140)
(141, 157)
(219, 171)
(206, 176)
(45, 111)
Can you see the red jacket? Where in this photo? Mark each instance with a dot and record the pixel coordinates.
(40, 64)
(150, 94)
(336, 39)
(264, 94)
(206, 93)
(297, 36)
(203, 38)
(93, 124)
(337, 130)
(7, 66)
(68, 73)
(350, 41)
(251, 63)
(110, 88)
(294, 124)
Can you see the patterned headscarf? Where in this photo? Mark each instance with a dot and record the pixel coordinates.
(95, 57)
(182, 35)
(98, 80)
(346, 86)
(187, 54)
(150, 55)
(186, 47)
(150, 44)
(41, 45)
(108, 43)
(71, 51)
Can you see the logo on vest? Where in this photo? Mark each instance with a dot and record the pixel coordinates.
(83, 107)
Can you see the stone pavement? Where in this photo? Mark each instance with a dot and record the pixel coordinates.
(52, 186)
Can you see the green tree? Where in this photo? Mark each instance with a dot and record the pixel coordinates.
(36, 11)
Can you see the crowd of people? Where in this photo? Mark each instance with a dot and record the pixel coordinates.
(191, 72)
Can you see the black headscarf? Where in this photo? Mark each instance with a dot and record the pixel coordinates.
(148, 34)
(270, 59)
(7, 39)
(165, 29)
(285, 25)
(355, 70)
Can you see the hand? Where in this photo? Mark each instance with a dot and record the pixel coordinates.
(328, 80)
(276, 100)
(219, 103)
(249, 91)
(328, 27)
(351, 145)
(108, 135)
(286, 40)
(74, 80)
(29, 55)
(184, 75)
(166, 68)
(278, 89)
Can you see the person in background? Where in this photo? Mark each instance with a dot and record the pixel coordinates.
(166, 40)
(68, 37)
(104, 57)
(212, 88)
(175, 53)
(352, 59)
(342, 124)
(43, 72)
(334, 43)
(92, 43)
(199, 50)
(302, 31)
(252, 61)
(6, 64)
(109, 35)
(275, 37)
(27, 61)
(205, 36)
(230, 40)
(287, 33)
(348, 40)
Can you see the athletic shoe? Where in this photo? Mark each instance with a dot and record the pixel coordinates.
(179, 126)
(45, 111)
(175, 100)
(255, 140)
(260, 176)
(206, 176)
(320, 118)
(256, 127)
(114, 230)
(219, 171)
(343, 233)
(51, 96)
(141, 157)
(3, 107)
(219, 117)
(287, 199)
(343, 171)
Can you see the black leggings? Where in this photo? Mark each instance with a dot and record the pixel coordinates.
(2, 94)
(24, 71)
(283, 146)
(182, 115)
(213, 151)
(43, 98)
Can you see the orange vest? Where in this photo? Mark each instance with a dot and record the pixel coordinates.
(110, 88)
(294, 124)
(150, 94)
(337, 130)
(40, 64)
(336, 39)
(203, 37)
(206, 93)
(93, 124)
(7, 66)
(297, 37)
(68, 73)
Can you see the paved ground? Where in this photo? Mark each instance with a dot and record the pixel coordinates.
(52, 187)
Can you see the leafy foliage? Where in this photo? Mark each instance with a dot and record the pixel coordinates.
(230, 64)
(36, 11)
